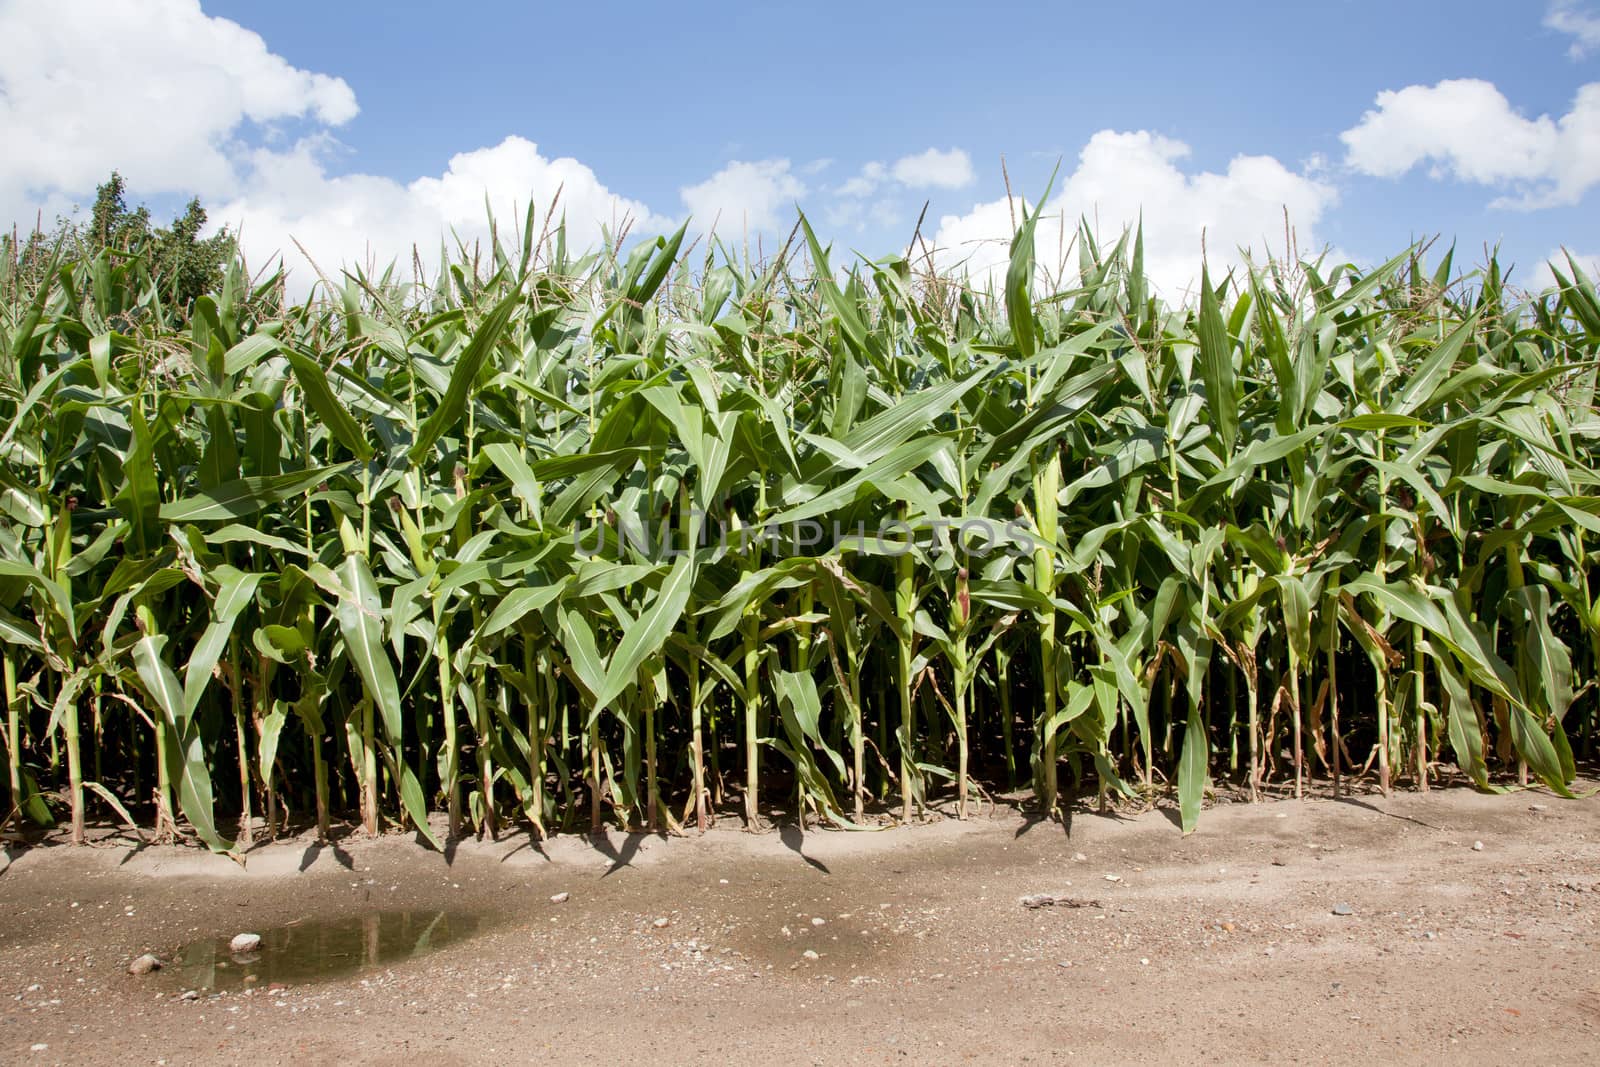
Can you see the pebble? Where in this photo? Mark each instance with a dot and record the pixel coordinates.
(38, 1046)
(662, 923)
(144, 964)
(560, 898)
(810, 954)
(1343, 909)
(244, 943)
(1079, 856)
(1113, 877)
(1477, 846)
(818, 920)
(1538, 807)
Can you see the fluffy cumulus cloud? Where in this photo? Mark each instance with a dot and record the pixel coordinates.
(1580, 23)
(863, 185)
(181, 102)
(156, 89)
(1467, 130)
(291, 201)
(870, 198)
(745, 196)
(934, 169)
(1124, 179)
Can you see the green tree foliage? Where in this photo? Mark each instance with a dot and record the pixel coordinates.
(181, 264)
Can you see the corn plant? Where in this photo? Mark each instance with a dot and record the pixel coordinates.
(646, 536)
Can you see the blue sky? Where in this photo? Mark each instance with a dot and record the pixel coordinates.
(322, 128)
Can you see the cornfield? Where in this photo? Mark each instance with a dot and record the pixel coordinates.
(536, 540)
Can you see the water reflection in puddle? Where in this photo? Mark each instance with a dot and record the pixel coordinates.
(315, 950)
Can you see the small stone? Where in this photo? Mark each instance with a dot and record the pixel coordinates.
(810, 954)
(243, 943)
(662, 923)
(1227, 927)
(560, 898)
(1144, 963)
(144, 964)
(1113, 877)
(818, 920)
(1079, 857)
(189, 994)
(1538, 807)
(1343, 909)
(1477, 846)
(38, 1046)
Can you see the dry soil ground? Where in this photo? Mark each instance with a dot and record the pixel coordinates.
(903, 946)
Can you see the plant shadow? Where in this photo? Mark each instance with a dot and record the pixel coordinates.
(793, 839)
(316, 849)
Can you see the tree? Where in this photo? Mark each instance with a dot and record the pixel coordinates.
(111, 224)
(183, 264)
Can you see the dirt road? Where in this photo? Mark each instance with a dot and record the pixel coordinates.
(904, 946)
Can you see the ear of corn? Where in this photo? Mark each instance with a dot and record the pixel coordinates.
(526, 544)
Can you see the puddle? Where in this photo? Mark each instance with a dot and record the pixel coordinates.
(317, 950)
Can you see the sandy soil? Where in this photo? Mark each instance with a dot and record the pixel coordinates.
(1219, 947)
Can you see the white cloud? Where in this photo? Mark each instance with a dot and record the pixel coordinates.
(935, 169)
(1579, 23)
(1122, 178)
(365, 219)
(932, 169)
(744, 196)
(868, 200)
(1466, 129)
(167, 95)
(154, 89)
(859, 215)
(864, 184)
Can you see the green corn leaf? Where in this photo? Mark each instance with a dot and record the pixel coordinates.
(244, 497)
(464, 376)
(647, 635)
(361, 618)
(1192, 772)
(1216, 365)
